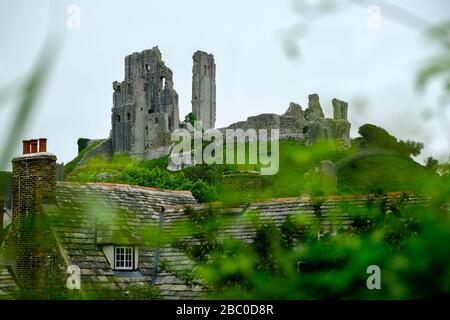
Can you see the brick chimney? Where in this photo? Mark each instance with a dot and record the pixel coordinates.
(33, 184)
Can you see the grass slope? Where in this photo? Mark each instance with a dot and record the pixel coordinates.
(359, 171)
(69, 167)
(380, 171)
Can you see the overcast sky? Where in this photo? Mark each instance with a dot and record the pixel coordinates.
(254, 44)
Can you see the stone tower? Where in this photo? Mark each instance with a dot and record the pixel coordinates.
(145, 105)
(204, 89)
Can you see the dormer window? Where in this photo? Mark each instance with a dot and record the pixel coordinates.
(123, 258)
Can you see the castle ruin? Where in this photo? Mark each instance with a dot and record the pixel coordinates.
(309, 125)
(145, 105)
(145, 110)
(204, 89)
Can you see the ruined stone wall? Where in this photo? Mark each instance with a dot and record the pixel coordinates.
(145, 104)
(308, 125)
(204, 89)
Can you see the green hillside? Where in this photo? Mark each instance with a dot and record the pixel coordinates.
(358, 171)
(380, 171)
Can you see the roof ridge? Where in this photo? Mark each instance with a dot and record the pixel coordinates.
(112, 185)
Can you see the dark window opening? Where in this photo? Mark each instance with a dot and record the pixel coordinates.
(305, 130)
(205, 68)
(118, 118)
(128, 116)
(151, 110)
(156, 120)
(147, 67)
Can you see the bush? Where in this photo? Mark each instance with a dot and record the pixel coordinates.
(373, 136)
(82, 144)
(376, 136)
(301, 260)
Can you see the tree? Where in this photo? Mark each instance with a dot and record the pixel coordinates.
(431, 163)
(373, 136)
(408, 147)
(377, 136)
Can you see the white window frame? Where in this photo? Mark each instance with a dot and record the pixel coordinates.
(126, 255)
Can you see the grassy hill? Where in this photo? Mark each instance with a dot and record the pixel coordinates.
(379, 170)
(358, 171)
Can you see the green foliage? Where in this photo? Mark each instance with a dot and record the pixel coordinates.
(359, 171)
(380, 171)
(203, 181)
(438, 67)
(413, 148)
(191, 118)
(69, 167)
(4, 182)
(431, 163)
(302, 260)
(374, 136)
(29, 92)
(82, 144)
(143, 292)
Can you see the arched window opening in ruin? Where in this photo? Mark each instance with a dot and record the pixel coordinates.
(151, 110)
(128, 116)
(118, 118)
(305, 130)
(147, 67)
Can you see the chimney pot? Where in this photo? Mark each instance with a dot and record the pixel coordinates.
(34, 145)
(26, 146)
(42, 145)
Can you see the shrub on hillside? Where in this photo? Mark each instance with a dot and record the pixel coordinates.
(373, 136)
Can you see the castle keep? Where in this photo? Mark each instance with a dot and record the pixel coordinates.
(145, 104)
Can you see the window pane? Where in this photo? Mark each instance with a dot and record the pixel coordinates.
(124, 257)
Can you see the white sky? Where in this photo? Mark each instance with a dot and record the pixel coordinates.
(374, 70)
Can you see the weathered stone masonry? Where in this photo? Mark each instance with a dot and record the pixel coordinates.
(145, 105)
(309, 125)
(204, 89)
(145, 109)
